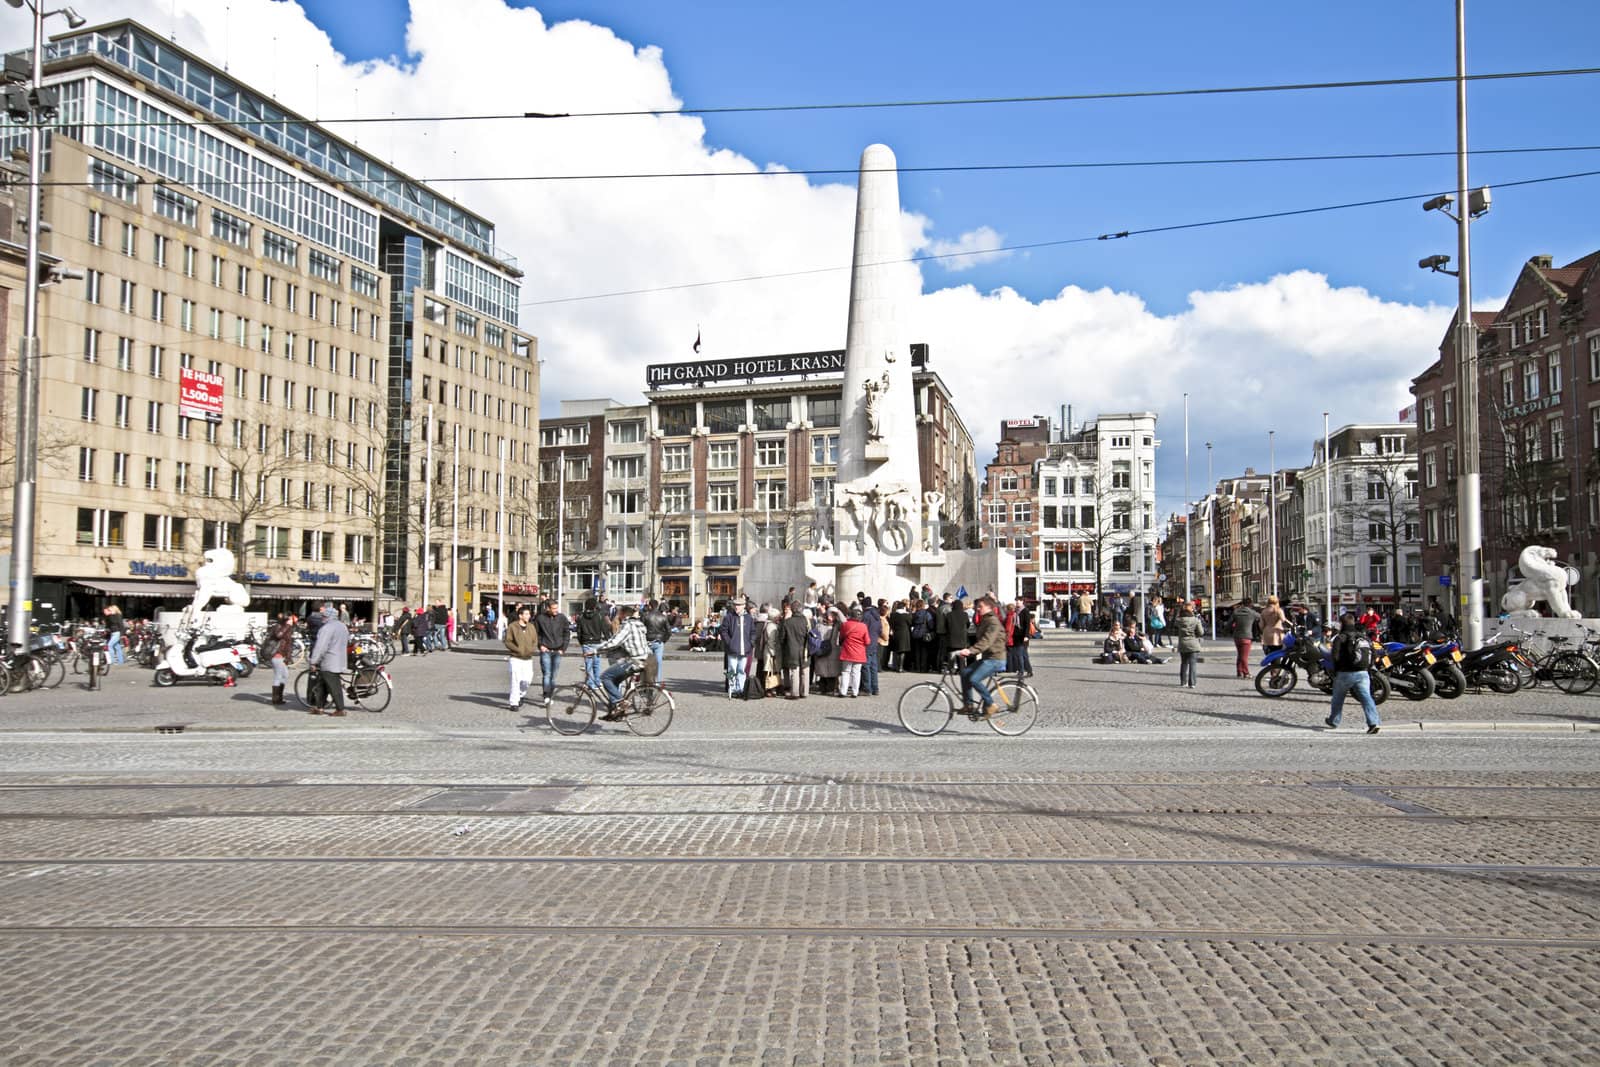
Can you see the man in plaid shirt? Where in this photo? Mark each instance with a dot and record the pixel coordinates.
(630, 638)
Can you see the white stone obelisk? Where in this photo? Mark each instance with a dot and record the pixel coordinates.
(877, 434)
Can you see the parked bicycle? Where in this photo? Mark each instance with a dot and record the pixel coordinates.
(646, 709)
(927, 707)
(1571, 670)
(368, 687)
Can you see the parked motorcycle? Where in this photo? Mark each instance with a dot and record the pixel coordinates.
(200, 658)
(1449, 679)
(1493, 667)
(1280, 671)
(1410, 669)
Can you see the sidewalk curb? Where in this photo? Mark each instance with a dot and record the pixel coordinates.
(1548, 727)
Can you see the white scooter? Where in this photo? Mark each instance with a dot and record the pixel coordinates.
(199, 657)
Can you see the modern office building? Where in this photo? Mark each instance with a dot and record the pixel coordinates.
(273, 332)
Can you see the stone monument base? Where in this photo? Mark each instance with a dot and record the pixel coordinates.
(232, 625)
(1576, 631)
(769, 572)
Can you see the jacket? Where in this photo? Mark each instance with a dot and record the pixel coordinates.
(853, 641)
(959, 627)
(991, 640)
(280, 638)
(555, 631)
(1188, 630)
(792, 634)
(593, 627)
(332, 650)
(522, 639)
(1272, 624)
(630, 639)
(657, 627)
(737, 633)
(1244, 623)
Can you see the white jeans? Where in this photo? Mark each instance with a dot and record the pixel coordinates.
(521, 678)
(850, 678)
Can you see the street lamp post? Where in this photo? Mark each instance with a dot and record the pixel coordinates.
(40, 105)
(1272, 505)
(1188, 518)
(1211, 538)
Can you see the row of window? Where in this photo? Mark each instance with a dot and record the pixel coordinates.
(1536, 380)
(491, 369)
(207, 480)
(728, 416)
(106, 528)
(675, 459)
(156, 365)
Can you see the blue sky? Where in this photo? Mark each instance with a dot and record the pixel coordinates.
(1264, 324)
(725, 53)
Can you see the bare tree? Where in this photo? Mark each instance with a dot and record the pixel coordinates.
(250, 483)
(58, 444)
(1382, 514)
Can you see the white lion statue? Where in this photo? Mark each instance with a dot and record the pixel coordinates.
(214, 579)
(1542, 579)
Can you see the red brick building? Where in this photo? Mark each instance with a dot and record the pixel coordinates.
(1539, 430)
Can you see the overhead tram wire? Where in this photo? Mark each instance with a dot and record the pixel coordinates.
(1108, 236)
(957, 168)
(1134, 94)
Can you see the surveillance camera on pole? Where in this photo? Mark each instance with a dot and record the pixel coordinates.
(1437, 264)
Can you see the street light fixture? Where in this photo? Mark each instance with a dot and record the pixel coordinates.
(35, 106)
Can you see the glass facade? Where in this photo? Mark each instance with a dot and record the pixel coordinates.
(405, 260)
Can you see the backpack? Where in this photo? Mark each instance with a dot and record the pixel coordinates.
(919, 627)
(818, 645)
(1352, 652)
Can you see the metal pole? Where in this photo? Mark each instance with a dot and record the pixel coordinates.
(455, 524)
(561, 525)
(1211, 538)
(1272, 505)
(1188, 518)
(1470, 499)
(501, 569)
(1327, 519)
(427, 508)
(20, 610)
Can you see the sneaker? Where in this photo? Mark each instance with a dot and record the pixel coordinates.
(1372, 729)
(547, 701)
(1330, 723)
(513, 707)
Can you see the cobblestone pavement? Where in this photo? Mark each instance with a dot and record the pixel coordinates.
(1149, 877)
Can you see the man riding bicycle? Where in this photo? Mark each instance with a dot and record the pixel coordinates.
(990, 644)
(630, 638)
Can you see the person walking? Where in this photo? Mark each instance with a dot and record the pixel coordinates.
(593, 629)
(737, 633)
(1273, 625)
(793, 651)
(521, 641)
(279, 651)
(989, 649)
(421, 631)
(1352, 657)
(1187, 631)
(1245, 621)
(330, 659)
(116, 632)
(853, 639)
(555, 633)
(1157, 623)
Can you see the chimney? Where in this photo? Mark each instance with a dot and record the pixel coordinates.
(1542, 262)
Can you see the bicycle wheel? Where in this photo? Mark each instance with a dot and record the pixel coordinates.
(1573, 673)
(1018, 709)
(300, 682)
(571, 710)
(650, 709)
(370, 690)
(926, 708)
(55, 672)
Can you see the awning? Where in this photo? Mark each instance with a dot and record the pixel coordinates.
(131, 587)
(335, 593)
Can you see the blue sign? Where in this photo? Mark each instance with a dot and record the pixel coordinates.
(1444, 580)
(961, 594)
(158, 570)
(256, 576)
(319, 577)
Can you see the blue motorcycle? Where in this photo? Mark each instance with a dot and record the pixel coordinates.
(1280, 670)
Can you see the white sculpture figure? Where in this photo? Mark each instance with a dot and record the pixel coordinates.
(214, 579)
(875, 389)
(931, 539)
(1542, 579)
(894, 531)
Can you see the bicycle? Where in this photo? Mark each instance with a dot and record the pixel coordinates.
(927, 707)
(647, 709)
(1573, 671)
(368, 686)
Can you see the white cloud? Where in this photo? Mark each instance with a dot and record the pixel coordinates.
(969, 250)
(1262, 354)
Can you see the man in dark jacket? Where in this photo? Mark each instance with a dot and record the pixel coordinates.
(593, 630)
(658, 631)
(738, 635)
(794, 655)
(1245, 620)
(958, 627)
(555, 632)
(869, 672)
(1352, 656)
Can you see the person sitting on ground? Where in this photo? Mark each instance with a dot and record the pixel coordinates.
(1113, 651)
(1137, 646)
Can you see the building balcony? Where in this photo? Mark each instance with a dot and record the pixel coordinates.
(719, 561)
(674, 562)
